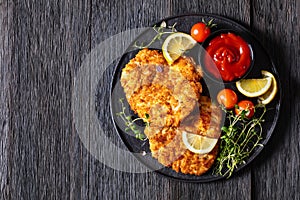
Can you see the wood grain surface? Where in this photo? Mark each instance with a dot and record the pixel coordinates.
(42, 47)
(5, 52)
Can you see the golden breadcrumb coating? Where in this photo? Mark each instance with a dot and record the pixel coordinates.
(149, 68)
(158, 102)
(204, 121)
(171, 96)
(167, 146)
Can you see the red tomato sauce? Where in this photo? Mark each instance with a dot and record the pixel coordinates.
(231, 56)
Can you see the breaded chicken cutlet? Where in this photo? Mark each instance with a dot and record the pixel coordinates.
(149, 73)
(170, 95)
(167, 146)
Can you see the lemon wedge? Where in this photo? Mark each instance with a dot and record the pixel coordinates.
(176, 44)
(270, 94)
(197, 143)
(254, 87)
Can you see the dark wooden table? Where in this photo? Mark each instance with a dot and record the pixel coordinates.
(42, 47)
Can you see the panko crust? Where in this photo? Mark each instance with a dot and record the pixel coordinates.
(167, 146)
(149, 68)
(171, 96)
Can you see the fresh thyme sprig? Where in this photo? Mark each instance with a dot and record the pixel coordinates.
(238, 140)
(130, 126)
(160, 31)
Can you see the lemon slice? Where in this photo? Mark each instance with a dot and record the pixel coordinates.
(176, 44)
(254, 87)
(197, 143)
(270, 94)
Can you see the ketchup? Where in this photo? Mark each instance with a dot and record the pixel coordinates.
(231, 57)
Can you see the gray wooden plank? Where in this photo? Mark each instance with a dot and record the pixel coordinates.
(78, 46)
(5, 53)
(276, 24)
(46, 156)
(110, 18)
(237, 10)
(111, 184)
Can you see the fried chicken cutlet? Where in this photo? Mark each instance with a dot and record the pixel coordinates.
(167, 146)
(170, 95)
(149, 75)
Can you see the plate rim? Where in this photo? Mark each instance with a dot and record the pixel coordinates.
(266, 140)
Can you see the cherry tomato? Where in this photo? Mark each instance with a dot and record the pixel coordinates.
(228, 98)
(245, 105)
(200, 31)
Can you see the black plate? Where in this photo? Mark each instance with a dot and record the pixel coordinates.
(184, 24)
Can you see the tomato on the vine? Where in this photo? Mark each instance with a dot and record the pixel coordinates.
(201, 30)
(246, 105)
(228, 98)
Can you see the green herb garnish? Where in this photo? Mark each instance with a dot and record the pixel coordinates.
(160, 31)
(130, 126)
(238, 140)
(209, 23)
